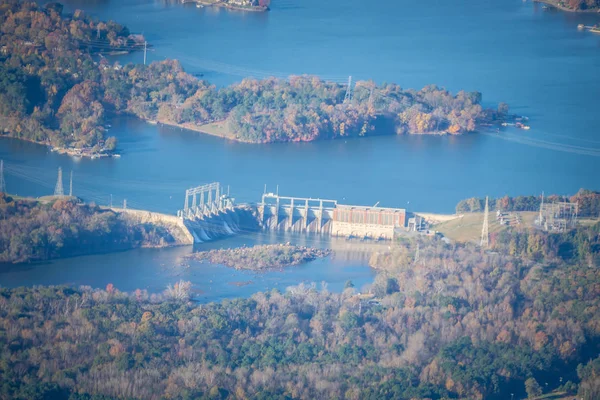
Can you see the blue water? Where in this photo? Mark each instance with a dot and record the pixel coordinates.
(154, 269)
(512, 51)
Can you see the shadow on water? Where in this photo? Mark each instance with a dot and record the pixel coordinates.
(154, 269)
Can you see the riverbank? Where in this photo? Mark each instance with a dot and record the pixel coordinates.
(260, 258)
(220, 130)
(70, 151)
(62, 226)
(83, 153)
(227, 5)
(558, 4)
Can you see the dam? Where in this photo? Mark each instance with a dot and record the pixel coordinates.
(210, 214)
(309, 215)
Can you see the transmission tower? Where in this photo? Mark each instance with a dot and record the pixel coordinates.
(541, 217)
(348, 97)
(485, 233)
(2, 182)
(417, 255)
(125, 204)
(71, 184)
(58, 189)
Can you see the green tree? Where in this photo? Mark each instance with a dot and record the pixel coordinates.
(533, 388)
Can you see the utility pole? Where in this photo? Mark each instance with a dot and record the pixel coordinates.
(58, 189)
(541, 217)
(2, 182)
(71, 184)
(485, 233)
(145, 49)
(348, 97)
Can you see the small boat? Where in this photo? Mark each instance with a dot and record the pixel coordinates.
(581, 27)
(198, 5)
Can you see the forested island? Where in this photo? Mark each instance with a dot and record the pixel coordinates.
(457, 322)
(64, 227)
(258, 258)
(574, 5)
(56, 89)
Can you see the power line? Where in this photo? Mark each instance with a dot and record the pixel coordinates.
(485, 233)
(2, 182)
(59, 190)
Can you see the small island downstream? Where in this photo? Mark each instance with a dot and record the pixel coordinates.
(261, 258)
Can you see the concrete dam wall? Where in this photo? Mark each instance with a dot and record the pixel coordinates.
(173, 224)
(229, 222)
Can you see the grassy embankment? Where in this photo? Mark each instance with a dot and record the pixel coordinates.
(467, 227)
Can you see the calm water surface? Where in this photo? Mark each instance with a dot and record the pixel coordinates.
(153, 269)
(511, 51)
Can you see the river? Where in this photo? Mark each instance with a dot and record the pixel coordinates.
(536, 60)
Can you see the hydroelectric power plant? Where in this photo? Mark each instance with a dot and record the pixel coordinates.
(210, 214)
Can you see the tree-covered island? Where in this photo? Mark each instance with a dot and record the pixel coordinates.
(56, 89)
(259, 258)
(574, 5)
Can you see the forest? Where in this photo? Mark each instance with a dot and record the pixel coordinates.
(457, 322)
(38, 231)
(48, 79)
(588, 203)
(57, 88)
(580, 4)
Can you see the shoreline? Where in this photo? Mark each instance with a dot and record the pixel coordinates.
(198, 129)
(73, 152)
(555, 4)
(226, 5)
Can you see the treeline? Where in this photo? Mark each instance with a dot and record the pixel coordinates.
(456, 323)
(54, 92)
(580, 4)
(35, 231)
(46, 73)
(301, 108)
(580, 246)
(588, 203)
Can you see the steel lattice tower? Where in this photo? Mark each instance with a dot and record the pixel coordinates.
(58, 189)
(485, 232)
(348, 97)
(2, 181)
